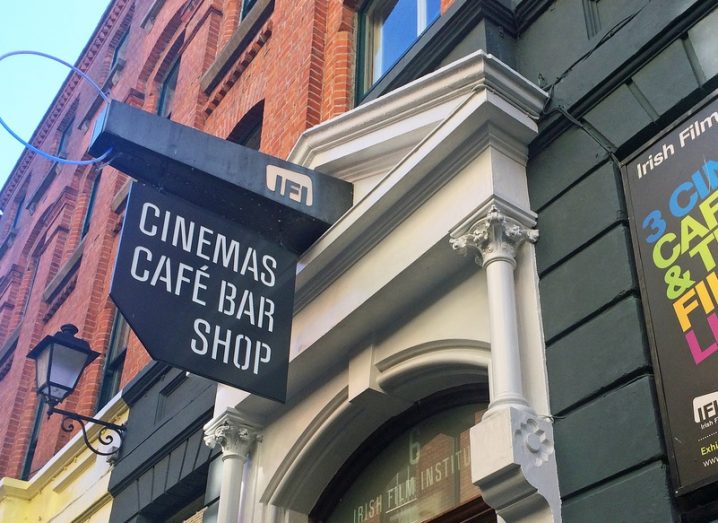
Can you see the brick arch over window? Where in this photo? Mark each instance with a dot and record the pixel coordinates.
(248, 130)
(167, 37)
(113, 60)
(164, 68)
(60, 213)
(10, 287)
(16, 207)
(54, 221)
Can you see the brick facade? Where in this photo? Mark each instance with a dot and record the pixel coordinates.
(297, 63)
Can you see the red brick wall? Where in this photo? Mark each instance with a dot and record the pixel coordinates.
(300, 63)
(339, 76)
(445, 4)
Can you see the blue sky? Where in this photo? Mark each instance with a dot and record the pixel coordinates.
(29, 83)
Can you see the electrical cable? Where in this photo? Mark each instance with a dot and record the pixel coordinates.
(36, 150)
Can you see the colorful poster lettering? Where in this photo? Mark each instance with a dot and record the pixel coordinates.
(672, 189)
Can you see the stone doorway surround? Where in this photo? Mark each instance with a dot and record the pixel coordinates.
(438, 165)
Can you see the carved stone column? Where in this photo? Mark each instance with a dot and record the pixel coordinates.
(512, 453)
(494, 238)
(236, 437)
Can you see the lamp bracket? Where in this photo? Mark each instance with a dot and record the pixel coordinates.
(104, 437)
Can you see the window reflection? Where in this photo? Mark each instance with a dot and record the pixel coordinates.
(391, 27)
(424, 472)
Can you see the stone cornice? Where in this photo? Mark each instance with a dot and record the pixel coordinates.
(476, 72)
(245, 33)
(459, 107)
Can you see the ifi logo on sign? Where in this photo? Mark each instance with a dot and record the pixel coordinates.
(705, 408)
(293, 185)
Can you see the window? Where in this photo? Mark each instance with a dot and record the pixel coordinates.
(90, 206)
(18, 212)
(247, 5)
(64, 140)
(33, 276)
(389, 28)
(414, 468)
(248, 131)
(167, 92)
(6, 360)
(119, 52)
(34, 436)
(190, 512)
(114, 360)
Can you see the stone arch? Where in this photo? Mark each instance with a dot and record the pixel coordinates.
(345, 422)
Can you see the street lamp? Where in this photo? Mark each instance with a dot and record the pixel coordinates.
(60, 359)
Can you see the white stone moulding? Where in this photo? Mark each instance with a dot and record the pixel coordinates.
(415, 155)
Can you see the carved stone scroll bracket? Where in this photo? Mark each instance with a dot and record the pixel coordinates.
(514, 464)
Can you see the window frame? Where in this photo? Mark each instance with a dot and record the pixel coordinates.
(92, 196)
(114, 363)
(31, 285)
(18, 212)
(62, 143)
(118, 53)
(383, 436)
(247, 6)
(248, 131)
(168, 88)
(367, 76)
(26, 471)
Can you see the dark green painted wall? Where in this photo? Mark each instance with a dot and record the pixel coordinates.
(164, 462)
(624, 70)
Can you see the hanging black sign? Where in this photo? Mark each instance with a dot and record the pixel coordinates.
(283, 201)
(673, 199)
(205, 294)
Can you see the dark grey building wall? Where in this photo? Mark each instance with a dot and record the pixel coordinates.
(164, 463)
(622, 70)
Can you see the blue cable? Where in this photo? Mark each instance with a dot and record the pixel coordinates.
(34, 149)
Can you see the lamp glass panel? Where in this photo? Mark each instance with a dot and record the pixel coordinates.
(67, 365)
(42, 364)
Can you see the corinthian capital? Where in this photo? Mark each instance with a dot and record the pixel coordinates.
(230, 432)
(494, 237)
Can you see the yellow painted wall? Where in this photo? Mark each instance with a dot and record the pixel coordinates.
(71, 488)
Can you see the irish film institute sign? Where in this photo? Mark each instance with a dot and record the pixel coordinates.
(206, 267)
(673, 198)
